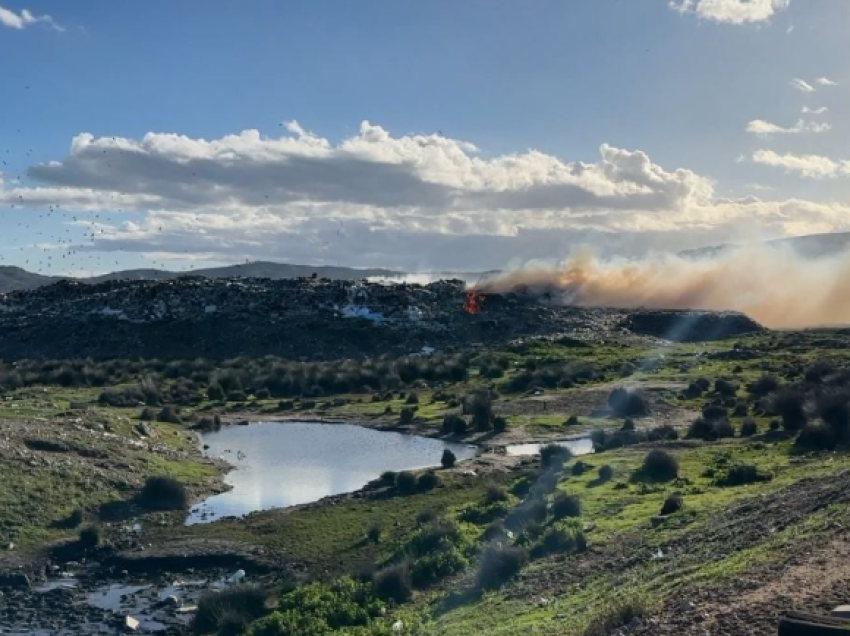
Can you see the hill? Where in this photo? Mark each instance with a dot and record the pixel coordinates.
(15, 278)
(808, 246)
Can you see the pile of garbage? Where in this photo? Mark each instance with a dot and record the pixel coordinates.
(311, 318)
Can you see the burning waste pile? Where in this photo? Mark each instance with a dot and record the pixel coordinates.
(316, 318)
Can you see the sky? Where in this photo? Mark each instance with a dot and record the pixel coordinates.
(426, 136)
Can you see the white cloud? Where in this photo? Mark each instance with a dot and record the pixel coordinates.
(765, 128)
(731, 11)
(25, 18)
(814, 111)
(412, 201)
(802, 85)
(812, 166)
(825, 81)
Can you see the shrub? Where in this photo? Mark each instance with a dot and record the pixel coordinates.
(616, 614)
(215, 609)
(495, 494)
(448, 459)
(815, 437)
(484, 513)
(553, 455)
(740, 474)
(425, 517)
(236, 396)
(628, 425)
(412, 398)
(495, 531)
(428, 481)
(723, 429)
(89, 537)
(565, 505)
(559, 540)
(598, 437)
(672, 504)
(606, 473)
(712, 412)
(749, 427)
(726, 388)
(572, 420)
(833, 408)
(429, 569)
(406, 416)
(500, 424)
(741, 409)
(530, 511)
(663, 432)
(660, 465)
(765, 385)
(373, 532)
(393, 583)
(774, 425)
(147, 415)
(579, 468)
(480, 406)
(625, 403)
(169, 414)
(700, 428)
(434, 537)
(789, 403)
(405, 481)
(500, 565)
(163, 493)
(388, 478)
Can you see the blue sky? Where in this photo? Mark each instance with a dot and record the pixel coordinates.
(669, 88)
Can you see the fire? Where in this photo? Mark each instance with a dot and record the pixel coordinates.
(473, 301)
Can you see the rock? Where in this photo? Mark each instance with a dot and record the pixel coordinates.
(144, 430)
(171, 601)
(17, 580)
(131, 624)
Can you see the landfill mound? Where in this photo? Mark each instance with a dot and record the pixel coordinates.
(309, 318)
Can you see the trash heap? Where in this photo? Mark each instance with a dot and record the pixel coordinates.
(307, 318)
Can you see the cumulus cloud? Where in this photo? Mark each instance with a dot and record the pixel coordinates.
(411, 201)
(825, 81)
(731, 11)
(25, 18)
(802, 85)
(765, 128)
(812, 166)
(814, 111)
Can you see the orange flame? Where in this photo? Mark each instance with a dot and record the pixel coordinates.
(473, 302)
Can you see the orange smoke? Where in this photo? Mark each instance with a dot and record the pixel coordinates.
(772, 285)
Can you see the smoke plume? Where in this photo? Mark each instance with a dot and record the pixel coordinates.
(771, 284)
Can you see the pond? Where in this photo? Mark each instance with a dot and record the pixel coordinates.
(277, 465)
(581, 446)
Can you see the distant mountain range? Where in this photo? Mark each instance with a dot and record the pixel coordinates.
(13, 278)
(809, 246)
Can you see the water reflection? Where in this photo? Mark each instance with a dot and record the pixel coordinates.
(581, 446)
(285, 464)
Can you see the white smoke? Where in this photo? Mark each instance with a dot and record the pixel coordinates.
(772, 284)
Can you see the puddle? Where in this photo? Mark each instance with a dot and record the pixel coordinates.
(277, 465)
(582, 446)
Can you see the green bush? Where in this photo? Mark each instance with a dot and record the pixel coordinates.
(163, 493)
(393, 583)
(625, 403)
(500, 565)
(660, 465)
(431, 568)
(560, 540)
(740, 474)
(749, 427)
(554, 455)
(448, 459)
(89, 537)
(428, 480)
(214, 608)
(405, 482)
(672, 503)
(565, 505)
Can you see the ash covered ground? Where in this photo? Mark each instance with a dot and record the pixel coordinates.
(310, 318)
